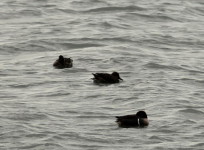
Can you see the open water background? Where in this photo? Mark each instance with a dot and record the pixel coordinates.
(157, 47)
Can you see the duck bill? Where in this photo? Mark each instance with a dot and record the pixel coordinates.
(120, 79)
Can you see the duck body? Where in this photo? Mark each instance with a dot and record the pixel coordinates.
(106, 77)
(62, 62)
(138, 119)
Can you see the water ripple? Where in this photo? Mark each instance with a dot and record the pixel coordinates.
(156, 46)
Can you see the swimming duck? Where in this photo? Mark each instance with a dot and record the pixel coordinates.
(139, 119)
(62, 62)
(106, 78)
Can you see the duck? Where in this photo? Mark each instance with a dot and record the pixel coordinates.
(106, 77)
(63, 62)
(135, 120)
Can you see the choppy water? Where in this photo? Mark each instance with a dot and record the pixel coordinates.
(156, 46)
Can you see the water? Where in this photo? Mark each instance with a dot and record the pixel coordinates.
(156, 46)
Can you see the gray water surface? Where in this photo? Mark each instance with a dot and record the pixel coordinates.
(156, 46)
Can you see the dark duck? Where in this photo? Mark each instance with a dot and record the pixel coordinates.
(106, 77)
(63, 62)
(138, 119)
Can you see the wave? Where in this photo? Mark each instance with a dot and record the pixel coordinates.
(151, 17)
(153, 65)
(40, 45)
(113, 9)
(27, 116)
(190, 110)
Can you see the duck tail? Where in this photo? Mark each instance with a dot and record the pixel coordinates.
(94, 75)
(117, 119)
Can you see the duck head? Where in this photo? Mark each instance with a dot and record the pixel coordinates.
(61, 59)
(141, 114)
(142, 118)
(116, 74)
